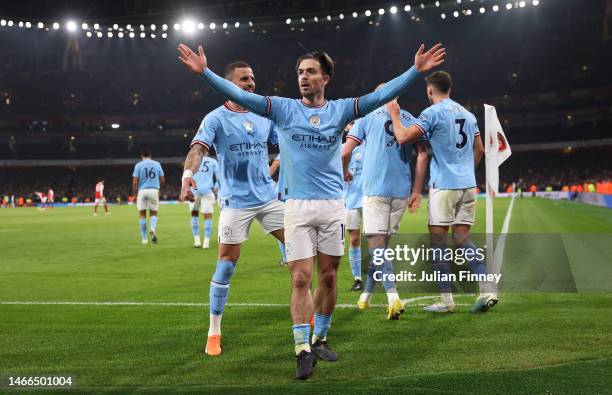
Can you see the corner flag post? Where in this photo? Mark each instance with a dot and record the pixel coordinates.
(497, 150)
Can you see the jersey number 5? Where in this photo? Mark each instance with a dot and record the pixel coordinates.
(464, 138)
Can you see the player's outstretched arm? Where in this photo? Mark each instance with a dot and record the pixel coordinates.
(192, 164)
(419, 177)
(402, 134)
(198, 64)
(347, 152)
(423, 62)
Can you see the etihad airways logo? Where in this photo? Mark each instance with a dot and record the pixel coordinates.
(309, 138)
(247, 146)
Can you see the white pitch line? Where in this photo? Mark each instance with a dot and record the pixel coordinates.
(187, 304)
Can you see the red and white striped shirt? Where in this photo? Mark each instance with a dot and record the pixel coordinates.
(99, 190)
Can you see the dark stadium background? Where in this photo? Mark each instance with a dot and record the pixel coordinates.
(547, 69)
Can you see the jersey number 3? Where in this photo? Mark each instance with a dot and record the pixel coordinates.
(464, 138)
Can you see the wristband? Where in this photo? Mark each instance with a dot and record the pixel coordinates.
(187, 174)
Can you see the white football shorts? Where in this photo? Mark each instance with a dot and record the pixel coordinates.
(313, 226)
(234, 224)
(382, 215)
(353, 218)
(203, 203)
(148, 199)
(452, 206)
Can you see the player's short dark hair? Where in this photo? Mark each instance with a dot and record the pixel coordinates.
(229, 69)
(326, 62)
(146, 152)
(441, 80)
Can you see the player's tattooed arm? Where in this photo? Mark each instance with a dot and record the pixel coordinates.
(198, 64)
(347, 152)
(421, 168)
(423, 62)
(192, 164)
(478, 150)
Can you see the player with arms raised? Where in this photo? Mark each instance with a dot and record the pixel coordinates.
(146, 181)
(240, 139)
(386, 190)
(452, 132)
(310, 135)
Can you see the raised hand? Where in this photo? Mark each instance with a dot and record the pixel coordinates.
(425, 61)
(194, 62)
(393, 108)
(186, 193)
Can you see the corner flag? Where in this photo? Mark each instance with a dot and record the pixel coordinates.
(497, 149)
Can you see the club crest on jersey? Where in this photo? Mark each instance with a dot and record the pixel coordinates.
(315, 121)
(248, 125)
(227, 231)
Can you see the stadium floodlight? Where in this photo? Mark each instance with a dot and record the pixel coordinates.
(142, 27)
(355, 14)
(237, 25)
(521, 4)
(368, 12)
(456, 14)
(88, 34)
(128, 26)
(535, 2)
(316, 19)
(443, 15)
(225, 25)
(28, 24)
(153, 35)
(458, 1)
(251, 23)
(3, 22)
(407, 8)
(329, 18)
(381, 11)
(10, 23)
(115, 27)
(482, 10)
(495, 8)
(164, 35)
(437, 3)
(468, 12)
(120, 34)
(164, 27)
(508, 6)
(153, 27)
(71, 26)
(422, 6)
(341, 16)
(288, 21)
(142, 35)
(41, 25)
(20, 23)
(99, 34)
(96, 26)
(188, 26)
(212, 26)
(393, 10)
(84, 26)
(200, 26)
(177, 26)
(110, 34)
(132, 34)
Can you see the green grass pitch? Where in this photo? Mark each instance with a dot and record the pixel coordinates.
(530, 343)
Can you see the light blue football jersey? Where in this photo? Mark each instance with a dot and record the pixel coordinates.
(148, 172)
(450, 130)
(310, 139)
(353, 191)
(241, 142)
(206, 177)
(387, 170)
